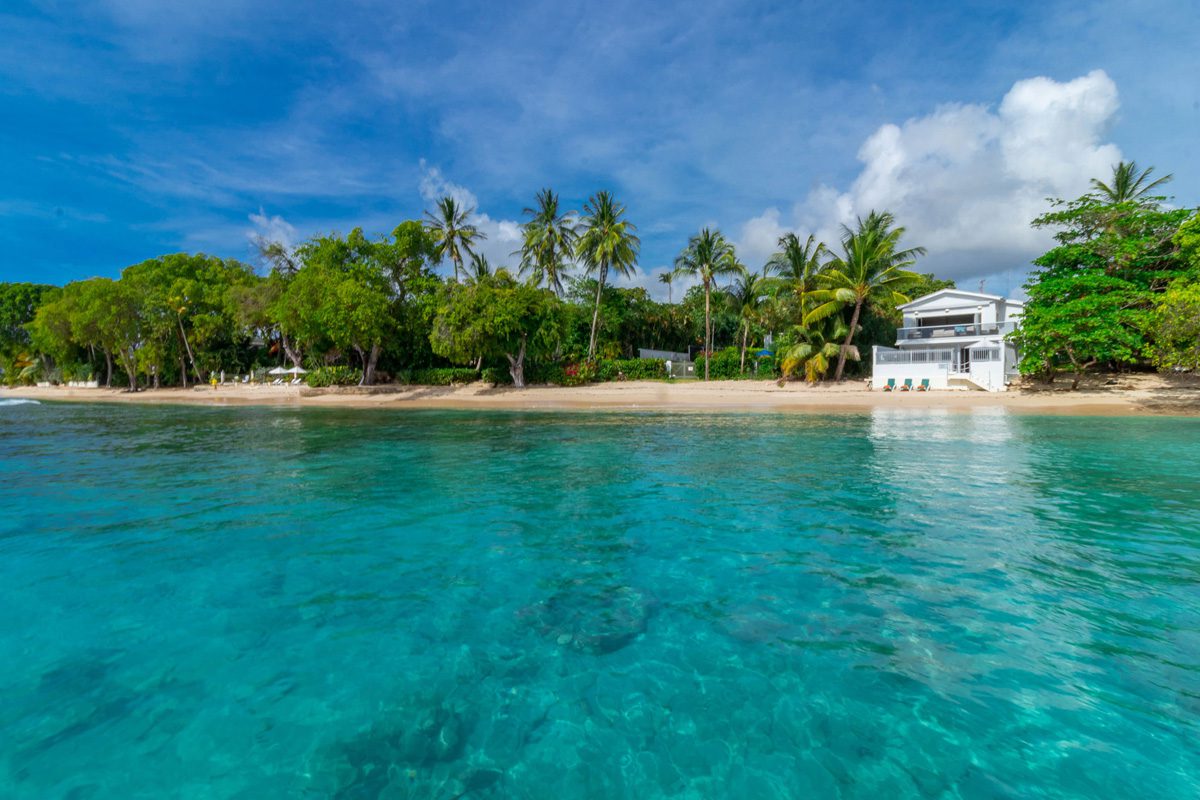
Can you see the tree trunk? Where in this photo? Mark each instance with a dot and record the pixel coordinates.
(596, 313)
(745, 334)
(708, 354)
(108, 361)
(188, 346)
(516, 366)
(846, 344)
(369, 374)
(292, 353)
(131, 368)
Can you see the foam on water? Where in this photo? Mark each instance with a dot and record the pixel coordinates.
(280, 603)
(18, 401)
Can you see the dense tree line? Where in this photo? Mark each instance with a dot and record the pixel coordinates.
(374, 309)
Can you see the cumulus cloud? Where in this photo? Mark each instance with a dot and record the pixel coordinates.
(967, 179)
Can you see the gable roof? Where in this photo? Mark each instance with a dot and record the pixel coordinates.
(924, 300)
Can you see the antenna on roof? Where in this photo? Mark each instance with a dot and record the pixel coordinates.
(982, 283)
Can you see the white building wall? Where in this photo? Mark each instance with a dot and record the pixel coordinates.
(938, 375)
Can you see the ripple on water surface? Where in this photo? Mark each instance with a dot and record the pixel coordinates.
(261, 603)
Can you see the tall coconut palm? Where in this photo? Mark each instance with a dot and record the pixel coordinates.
(453, 232)
(870, 269)
(708, 255)
(549, 242)
(606, 242)
(1127, 184)
(668, 278)
(798, 266)
(747, 296)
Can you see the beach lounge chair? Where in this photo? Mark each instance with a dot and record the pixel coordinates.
(907, 387)
(297, 382)
(277, 382)
(890, 386)
(924, 387)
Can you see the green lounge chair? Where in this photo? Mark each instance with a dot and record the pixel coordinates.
(924, 387)
(891, 385)
(907, 387)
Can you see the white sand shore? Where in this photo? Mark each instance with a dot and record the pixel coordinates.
(1140, 394)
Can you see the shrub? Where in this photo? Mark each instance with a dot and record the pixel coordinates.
(439, 376)
(630, 369)
(725, 366)
(496, 376)
(334, 376)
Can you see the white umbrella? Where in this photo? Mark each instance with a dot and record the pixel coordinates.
(296, 371)
(277, 371)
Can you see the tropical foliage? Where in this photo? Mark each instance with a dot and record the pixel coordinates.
(1114, 292)
(353, 308)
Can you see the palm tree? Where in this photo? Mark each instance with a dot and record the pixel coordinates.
(870, 269)
(454, 234)
(667, 277)
(549, 241)
(798, 266)
(1127, 184)
(707, 256)
(746, 296)
(606, 242)
(814, 347)
(481, 269)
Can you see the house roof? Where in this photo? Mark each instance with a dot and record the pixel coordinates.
(961, 293)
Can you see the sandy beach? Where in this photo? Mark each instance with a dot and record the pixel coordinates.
(1129, 395)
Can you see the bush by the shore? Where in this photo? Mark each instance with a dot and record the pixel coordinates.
(333, 376)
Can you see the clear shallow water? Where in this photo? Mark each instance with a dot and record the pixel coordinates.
(266, 603)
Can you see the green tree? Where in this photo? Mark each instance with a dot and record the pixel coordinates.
(708, 256)
(1174, 328)
(496, 318)
(1082, 314)
(607, 242)
(105, 315)
(19, 303)
(548, 243)
(1091, 297)
(453, 232)
(188, 307)
(340, 298)
(870, 269)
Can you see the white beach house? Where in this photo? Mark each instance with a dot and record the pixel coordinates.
(953, 339)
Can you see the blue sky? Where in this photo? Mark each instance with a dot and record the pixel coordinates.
(130, 129)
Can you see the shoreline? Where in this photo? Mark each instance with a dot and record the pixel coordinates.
(1138, 396)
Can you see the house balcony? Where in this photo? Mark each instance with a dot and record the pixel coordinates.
(975, 329)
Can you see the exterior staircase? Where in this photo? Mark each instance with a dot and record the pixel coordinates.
(963, 381)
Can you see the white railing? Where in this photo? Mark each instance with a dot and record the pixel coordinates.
(886, 356)
(951, 331)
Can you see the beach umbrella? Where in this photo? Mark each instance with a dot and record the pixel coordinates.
(277, 371)
(297, 371)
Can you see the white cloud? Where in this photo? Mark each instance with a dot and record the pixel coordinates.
(271, 228)
(966, 180)
(759, 238)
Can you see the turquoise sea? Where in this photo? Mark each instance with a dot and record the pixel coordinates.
(305, 603)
